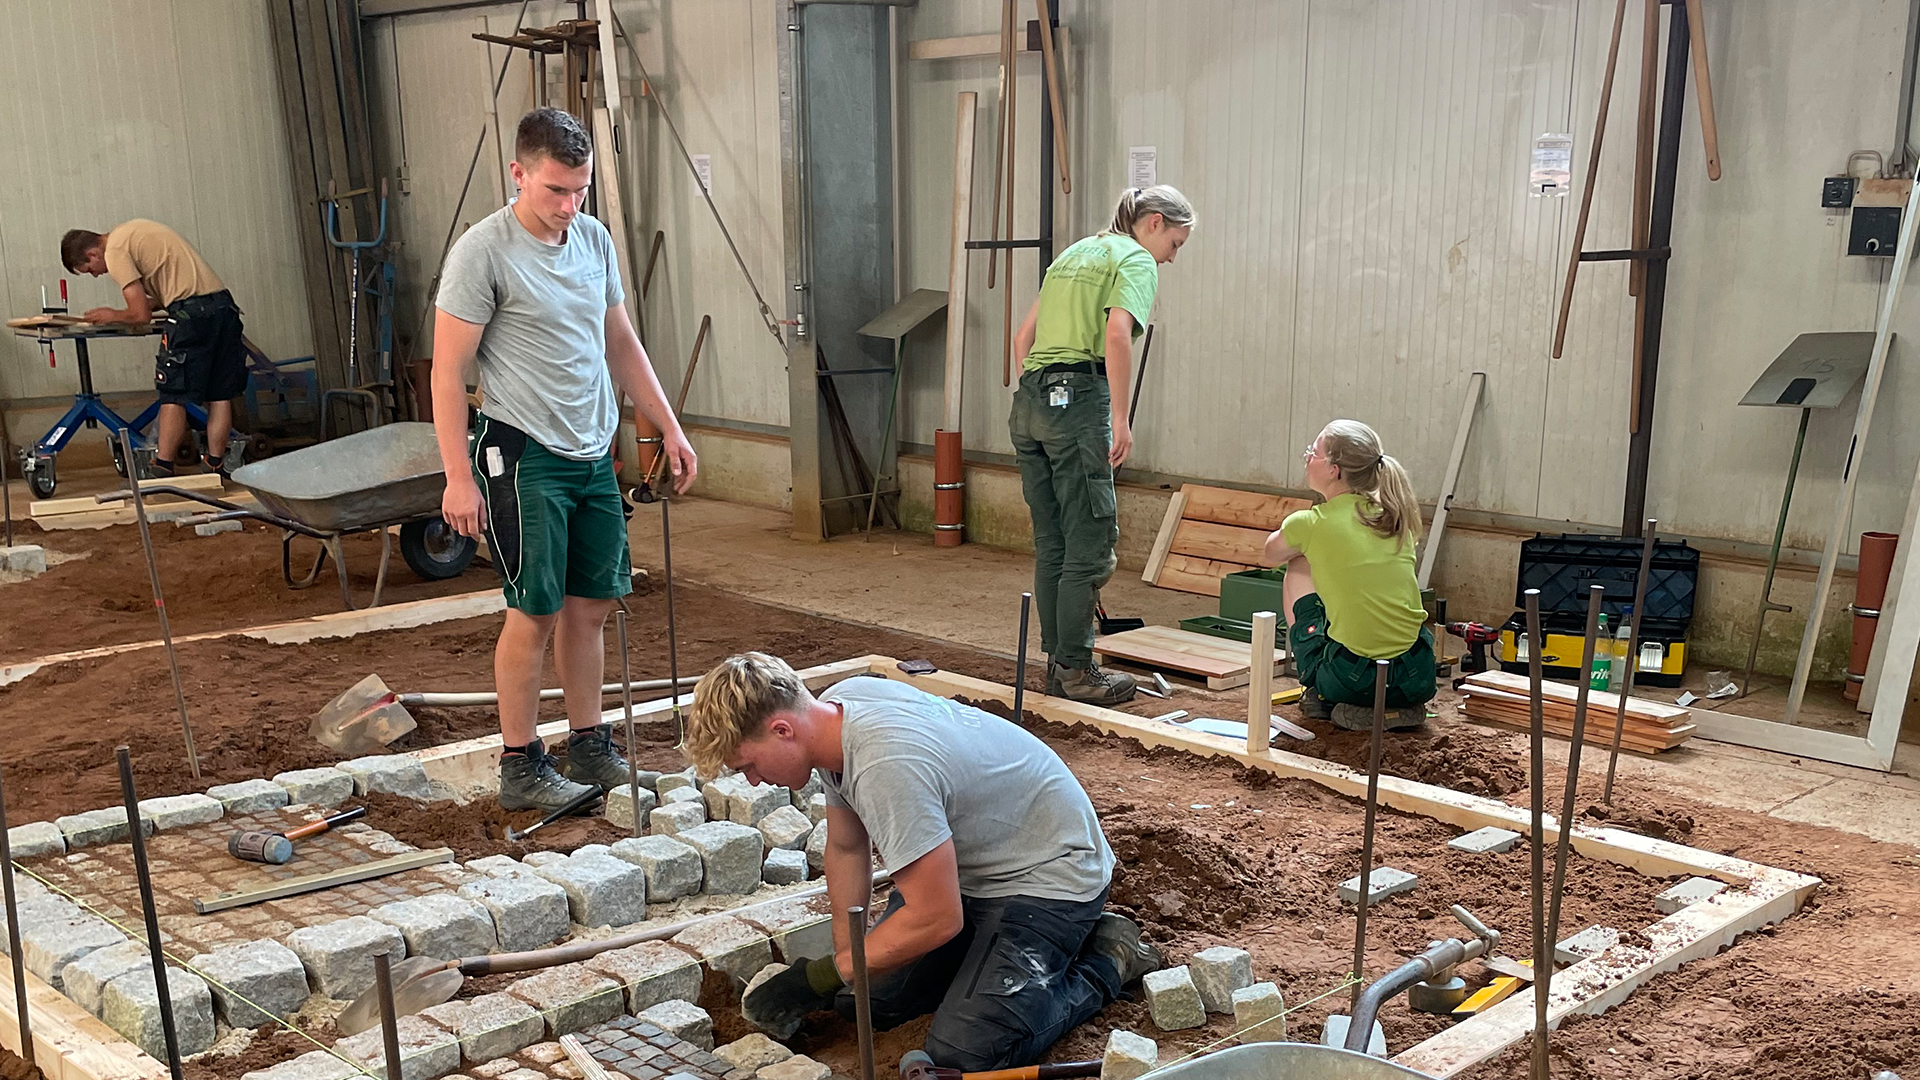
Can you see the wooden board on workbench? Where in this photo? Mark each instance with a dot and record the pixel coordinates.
(1211, 532)
(1224, 664)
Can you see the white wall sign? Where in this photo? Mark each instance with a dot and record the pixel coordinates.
(703, 164)
(1552, 175)
(1143, 166)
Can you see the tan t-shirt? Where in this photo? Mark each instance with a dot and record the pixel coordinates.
(160, 259)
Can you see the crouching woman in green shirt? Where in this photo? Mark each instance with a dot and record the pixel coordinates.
(1350, 586)
(1069, 421)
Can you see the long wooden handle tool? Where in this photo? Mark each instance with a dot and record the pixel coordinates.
(1590, 181)
(1703, 85)
(1051, 67)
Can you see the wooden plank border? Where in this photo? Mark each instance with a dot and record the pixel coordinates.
(1760, 895)
(69, 1043)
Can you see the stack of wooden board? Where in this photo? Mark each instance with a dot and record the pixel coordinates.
(82, 512)
(1211, 532)
(1497, 697)
(1224, 664)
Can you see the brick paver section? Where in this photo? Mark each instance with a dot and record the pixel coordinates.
(192, 862)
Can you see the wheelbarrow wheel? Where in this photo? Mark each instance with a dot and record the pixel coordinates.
(434, 551)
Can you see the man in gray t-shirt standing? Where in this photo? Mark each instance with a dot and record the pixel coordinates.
(532, 291)
(1000, 870)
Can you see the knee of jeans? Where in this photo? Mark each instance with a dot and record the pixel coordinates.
(971, 1044)
(1095, 569)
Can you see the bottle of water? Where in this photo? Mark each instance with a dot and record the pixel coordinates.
(1602, 675)
(1622, 640)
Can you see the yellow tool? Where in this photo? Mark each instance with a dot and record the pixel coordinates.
(1288, 697)
(1493, 993)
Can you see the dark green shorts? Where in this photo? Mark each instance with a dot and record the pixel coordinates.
(557, 527)
(1342, 676)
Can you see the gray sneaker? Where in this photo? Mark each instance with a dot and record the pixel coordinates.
(1094, 686)
(530, 782)
(1117, 938)
(591, 759)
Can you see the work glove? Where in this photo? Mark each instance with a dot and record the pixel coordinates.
(778, 1004)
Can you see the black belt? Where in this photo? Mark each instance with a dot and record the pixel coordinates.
(193, 307)
(1084, 367)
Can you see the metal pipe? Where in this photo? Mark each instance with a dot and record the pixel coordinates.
(1146, 350)
(1020, 660)
(1438, 957)
(6, 497)
(166, 631)
(389, 1024)
(1654, 288)
(1366, 834)
(1773, 555)
(1542, 949)
(626, 705)
(1563, 845)
(862, 1002)
(489, 697)
(1633, 640)
(673, 640)
(13, 926)
(138, 831)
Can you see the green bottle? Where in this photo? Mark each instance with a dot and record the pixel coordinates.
(1602, 676)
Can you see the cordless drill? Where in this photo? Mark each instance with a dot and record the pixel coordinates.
(1477, 636)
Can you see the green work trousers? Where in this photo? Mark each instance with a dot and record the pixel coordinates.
(1062, 447)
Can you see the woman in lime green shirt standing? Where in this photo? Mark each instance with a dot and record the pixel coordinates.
(1069, 421)
(1351, 588)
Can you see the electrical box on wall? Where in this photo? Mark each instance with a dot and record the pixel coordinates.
(1876, 217)
(1836, 192)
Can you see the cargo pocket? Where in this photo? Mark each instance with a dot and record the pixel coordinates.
(497, 449)
(1100, 496)
(170, 369)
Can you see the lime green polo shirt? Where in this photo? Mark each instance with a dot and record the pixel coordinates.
(1088, 279)
(1366, 581)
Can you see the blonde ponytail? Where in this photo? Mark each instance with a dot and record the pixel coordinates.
(1136, 203)
(1354, 448)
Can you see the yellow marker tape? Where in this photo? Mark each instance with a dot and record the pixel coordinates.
(1288, 697)
(1493, 994)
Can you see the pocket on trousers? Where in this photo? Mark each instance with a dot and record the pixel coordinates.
(1101, 498)
(170, 370)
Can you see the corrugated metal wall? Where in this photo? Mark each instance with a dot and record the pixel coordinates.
(164, 109)
(1366, 237)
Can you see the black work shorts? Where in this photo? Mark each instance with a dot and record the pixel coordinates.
(202, 358)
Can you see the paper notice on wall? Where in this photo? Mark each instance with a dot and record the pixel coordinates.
(1143, 166)
(703, 165)
(1552, 175)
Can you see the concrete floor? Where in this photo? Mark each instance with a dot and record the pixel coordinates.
(971, 595)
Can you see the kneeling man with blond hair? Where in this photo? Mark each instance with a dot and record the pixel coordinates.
(1000, 870)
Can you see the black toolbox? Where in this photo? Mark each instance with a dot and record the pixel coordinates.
(1565, 567)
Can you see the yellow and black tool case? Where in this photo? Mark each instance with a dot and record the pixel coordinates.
(1565, 567)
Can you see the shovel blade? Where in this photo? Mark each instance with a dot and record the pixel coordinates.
(365, 718)
(419, 982)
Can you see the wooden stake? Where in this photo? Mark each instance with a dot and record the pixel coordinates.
(1643, 148)
(1703, 85)
(1260, 686)
(957, 264)
(1000, 142)
(1591, 180)
(1052, 72)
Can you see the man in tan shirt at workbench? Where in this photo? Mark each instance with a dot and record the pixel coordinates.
(202, 358)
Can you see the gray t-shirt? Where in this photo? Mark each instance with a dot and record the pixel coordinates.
(543, 354)
(922, 769)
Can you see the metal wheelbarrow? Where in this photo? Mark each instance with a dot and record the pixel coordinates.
(368, 481)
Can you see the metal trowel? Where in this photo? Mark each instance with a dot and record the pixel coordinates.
(360, 721)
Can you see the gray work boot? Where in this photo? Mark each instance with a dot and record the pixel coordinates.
(1117, 938)
(591, 759)
(1053, 679)
(1360, 718)
(528, 781)
(1094, 686)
